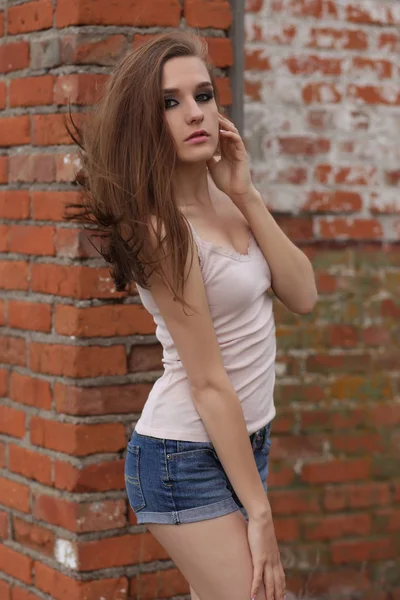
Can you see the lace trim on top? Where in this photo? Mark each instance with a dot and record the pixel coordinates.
(230, 253)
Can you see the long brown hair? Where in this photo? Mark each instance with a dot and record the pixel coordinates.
(128, 159)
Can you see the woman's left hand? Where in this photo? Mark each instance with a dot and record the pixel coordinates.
(231, 173)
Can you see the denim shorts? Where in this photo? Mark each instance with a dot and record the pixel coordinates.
(174, 482)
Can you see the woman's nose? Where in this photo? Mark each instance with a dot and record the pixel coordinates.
(194, 113)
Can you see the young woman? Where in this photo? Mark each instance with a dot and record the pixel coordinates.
(169, 187)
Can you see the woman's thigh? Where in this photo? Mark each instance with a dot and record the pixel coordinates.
(213, 555)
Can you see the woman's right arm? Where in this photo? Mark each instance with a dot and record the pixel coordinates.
(212, 392)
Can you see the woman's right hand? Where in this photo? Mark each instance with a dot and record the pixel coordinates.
(266, 559)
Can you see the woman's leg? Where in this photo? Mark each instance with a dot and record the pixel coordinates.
(212, 555)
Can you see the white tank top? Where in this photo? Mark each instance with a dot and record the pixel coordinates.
(236, 287)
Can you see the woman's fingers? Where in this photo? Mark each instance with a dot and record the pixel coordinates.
(279, 582)
(257, 580)
(269, 582)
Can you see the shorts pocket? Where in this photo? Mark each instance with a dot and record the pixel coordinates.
(132, 478)
(266, 445)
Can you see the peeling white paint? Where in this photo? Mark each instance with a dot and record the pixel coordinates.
(65, 553)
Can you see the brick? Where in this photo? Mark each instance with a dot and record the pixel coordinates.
(79, 88)
(138, 13)
(145, 358)
(5, 590)
(352, 175)
(81, 516)
(34, 316)
(163, 584)
(332, 201)
(67, 166)
(15, 495)
(216, 14)
(30, 168)
(297, 229)
(30, 464)
(14, 56)
(2, 311)
(363, 550)
(29, 239)
(387, 520)
(62, 587)
(256, 60)
(337, 39)
(318, 9)
(73, 281)
(14, 275)
(321, 92)
(101, 400)
(386, 94)
(358, 12)
(51, 205)
(77, 361)
(15, 131)
(15, 564)
(389, 41)
(384, 415)
(3, 382)
(336, 471)
(14, 204)
(2, 455)
(97, 477)
(51, 130)
(4, 235)
(293, 447)
(292, 502)
(3, 94)
(33, 536)
(30, 391)
(280, 475)
(375, 387)
(31, 16)
(1, 24)
(354, 581)
(334, 526)
(286, 530)
(103, 321)
(19, 593)
(3, 526)
(4, 167)
(87, 49)
(119, 551)
(32, 91)
(45, 53)
(77, 439)
(12, 421)
(75, 243)
(307, 65)
(252, 90)
(383, 69)
(308, 146)
(220, 51)
(13, 351)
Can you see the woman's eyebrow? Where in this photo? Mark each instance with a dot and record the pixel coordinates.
(203, 84)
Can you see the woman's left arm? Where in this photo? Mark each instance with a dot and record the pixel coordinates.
(292, 274)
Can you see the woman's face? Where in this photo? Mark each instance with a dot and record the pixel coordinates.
(190, 107)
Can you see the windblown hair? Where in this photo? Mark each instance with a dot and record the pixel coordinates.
(128, 159)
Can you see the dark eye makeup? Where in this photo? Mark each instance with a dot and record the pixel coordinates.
(203, 97)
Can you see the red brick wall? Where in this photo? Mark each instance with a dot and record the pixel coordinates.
(322, 117)
(77, 360)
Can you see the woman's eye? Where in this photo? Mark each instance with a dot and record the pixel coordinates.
(166, 102)
(206, 96)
